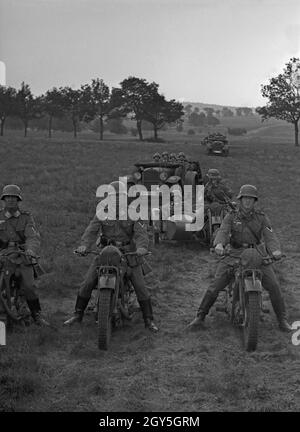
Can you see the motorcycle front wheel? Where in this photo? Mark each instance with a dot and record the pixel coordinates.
(104, 318)
(251, 324)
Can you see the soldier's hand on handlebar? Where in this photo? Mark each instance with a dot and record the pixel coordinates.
(141, 251)
(219, 249)
(81, 250)
(277, 254)
(30, 253)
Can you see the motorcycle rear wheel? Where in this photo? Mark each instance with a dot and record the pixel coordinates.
(251, 321)
(104, 318)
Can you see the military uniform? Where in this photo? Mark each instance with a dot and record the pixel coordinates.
(130, 235)
(18, 229)
(244, 230)
(217, 193)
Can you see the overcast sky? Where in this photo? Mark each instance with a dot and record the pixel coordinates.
(211, 51)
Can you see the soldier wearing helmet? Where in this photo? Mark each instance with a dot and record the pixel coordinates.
(156, 157)
(17, 229)
(172, 158)
(215, 189)
(243, 228)
(131, 236)
(165, 157)
(181, 157)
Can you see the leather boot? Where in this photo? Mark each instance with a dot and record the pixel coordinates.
(205, 305)
(35, 309)
(280, 312)
(80, 306)
(146, 308)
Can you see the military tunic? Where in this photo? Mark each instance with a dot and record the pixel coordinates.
(131, 235)
(19, 229)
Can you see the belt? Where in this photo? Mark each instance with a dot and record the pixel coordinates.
(236, 245)
(12, 244)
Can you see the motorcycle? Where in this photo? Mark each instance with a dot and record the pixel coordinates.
(115, 297)
(243, 300)
(13, 305)
(214, 217)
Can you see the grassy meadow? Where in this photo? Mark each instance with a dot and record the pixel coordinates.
(61, 369)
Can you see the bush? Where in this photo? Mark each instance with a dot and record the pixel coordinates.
(152, 139)
(133, 131)
(191, 132)
(116, 126)
(179, 128)
(237, 131)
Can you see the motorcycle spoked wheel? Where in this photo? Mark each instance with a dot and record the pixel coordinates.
(252, 318)
(104, 318)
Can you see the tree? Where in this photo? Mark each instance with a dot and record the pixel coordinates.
(196, 119)
(104, 102)
(28, 107)
(239, 112)
(247, 111)
(283, 94)
(7, 104)
(226, 112)
(188, 109)
(159, 111)
(135, 91)
(53, 106)
(77, 105)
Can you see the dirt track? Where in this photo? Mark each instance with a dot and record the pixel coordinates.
(61, 369)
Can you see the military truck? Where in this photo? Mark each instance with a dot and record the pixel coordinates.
(216, 144)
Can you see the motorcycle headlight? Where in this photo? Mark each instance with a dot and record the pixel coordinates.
(137, 175)
(163, 176)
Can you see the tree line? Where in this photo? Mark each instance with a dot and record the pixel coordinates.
(135, 98)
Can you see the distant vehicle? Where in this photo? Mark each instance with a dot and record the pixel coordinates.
(155, 174)
(216, 144)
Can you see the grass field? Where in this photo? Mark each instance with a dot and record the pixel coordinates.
(61, 369)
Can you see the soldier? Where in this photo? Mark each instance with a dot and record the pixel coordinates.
(156, 157)
(165, 157)
(181, 157)
(245, 227)
(172, 158)
(215, 190)
(133, 236)
(17, 229)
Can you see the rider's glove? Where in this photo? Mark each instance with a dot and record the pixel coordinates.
(219, 249)
(277, 254)
(81, 249)
(30, 253)
(141, 251)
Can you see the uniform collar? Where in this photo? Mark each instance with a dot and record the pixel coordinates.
(9, 215)
(246, 215)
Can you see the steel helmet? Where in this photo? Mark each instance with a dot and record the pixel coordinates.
(172, 156)
(11, 190)
(165, 153)
(248, 190)
(119, 188)
(156, 155)
(213, 173)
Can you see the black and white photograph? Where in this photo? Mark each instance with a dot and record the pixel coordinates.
(149, 217)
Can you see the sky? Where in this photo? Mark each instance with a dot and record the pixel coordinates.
(210, 51)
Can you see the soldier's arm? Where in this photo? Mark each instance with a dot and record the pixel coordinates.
(90, 235)
(270, 238)
(32, 236)
(140, 236)
(223, 234)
